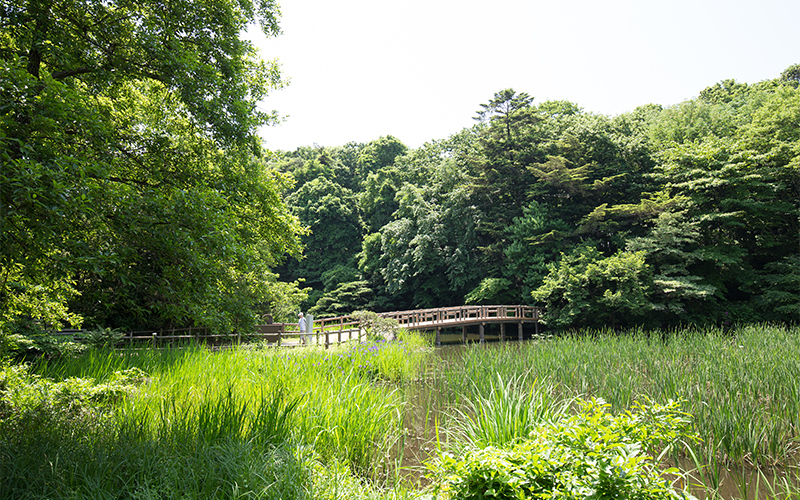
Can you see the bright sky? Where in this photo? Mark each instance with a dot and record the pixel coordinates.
(419, 69)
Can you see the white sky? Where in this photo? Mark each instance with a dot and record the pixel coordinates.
(419, 69)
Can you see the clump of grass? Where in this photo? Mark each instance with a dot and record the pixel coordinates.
(509, 412)
(201, 424)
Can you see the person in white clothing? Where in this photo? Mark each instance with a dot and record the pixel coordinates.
(302, 324)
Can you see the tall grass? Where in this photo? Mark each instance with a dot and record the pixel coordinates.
(259, 422)
(241, 423)
(743, 388)
(510, 410)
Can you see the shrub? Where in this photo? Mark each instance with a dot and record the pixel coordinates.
(376, 326)
(100, 337)
(593, 454)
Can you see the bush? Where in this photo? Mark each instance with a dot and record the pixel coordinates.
(593, 454)
(26, 339)
(100, 337)
(376, 326)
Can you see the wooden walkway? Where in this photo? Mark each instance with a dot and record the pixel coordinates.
(327, 331)
(344, 328)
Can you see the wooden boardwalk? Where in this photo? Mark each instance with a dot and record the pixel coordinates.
(327, 331)
(344, 328)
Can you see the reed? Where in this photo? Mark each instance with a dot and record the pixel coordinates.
(259, 422)
(741, 387)
(240, 423)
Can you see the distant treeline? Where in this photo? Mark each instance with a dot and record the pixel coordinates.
(663, 216)
(135, 192)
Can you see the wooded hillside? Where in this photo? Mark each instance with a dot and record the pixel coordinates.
(662, 216)
(135, 191)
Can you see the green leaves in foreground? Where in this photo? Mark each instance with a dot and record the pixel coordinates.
(593, 454)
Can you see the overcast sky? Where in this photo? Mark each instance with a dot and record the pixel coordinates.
(419, 69)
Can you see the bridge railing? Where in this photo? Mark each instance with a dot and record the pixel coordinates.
(326, 331)
(463, 315)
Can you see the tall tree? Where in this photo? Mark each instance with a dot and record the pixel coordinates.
(500, 186)
(130, 158)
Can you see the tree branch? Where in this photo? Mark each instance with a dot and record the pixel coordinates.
(60, 75)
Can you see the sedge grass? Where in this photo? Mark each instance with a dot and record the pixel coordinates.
(241, 423)
(743, 388)
(510, 411)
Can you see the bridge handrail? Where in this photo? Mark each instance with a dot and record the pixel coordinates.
(347, 327)
(441, 315)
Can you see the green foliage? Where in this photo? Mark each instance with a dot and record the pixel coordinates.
(428, 251)
(791, 75)
(590, 290)
(671, 248)
(27, 339)
(330, 211)
(378, 154)
(377, 327)
(692, 208)
(243, 423)
(30, 404)
(491, 291)
(398, 360)
(737, 383)
(99, 338)
(532, 240)
(780, 297)
(511, 410)
(723, 92)
(593, 454)
(349, 296)
(377, 200)
(134, 191)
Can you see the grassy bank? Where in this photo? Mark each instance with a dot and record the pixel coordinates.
(242, 423)
(256, 422)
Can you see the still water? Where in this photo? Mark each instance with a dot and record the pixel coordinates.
(430, 405)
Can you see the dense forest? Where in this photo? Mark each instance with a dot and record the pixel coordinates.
(663, 216)
(135, 191)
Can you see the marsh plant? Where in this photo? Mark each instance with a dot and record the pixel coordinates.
(510, 410)
(591, 454)
(261, 422)
(192, 423)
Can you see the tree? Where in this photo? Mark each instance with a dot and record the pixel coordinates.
(331, 213)
(671, 250)
(378, 154)
(131, 169)
(532, 241)
(504, 109)
(508, 145)
(426, 255)
(586, 290)
(377, 200)
(723, 92)
(791, 75)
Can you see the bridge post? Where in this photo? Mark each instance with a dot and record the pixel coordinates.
(482, 333)
(438, 336)
(464, 334)
(519, 331)
(502, 332)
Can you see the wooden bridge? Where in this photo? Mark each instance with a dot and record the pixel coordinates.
(327, 331)
(344, 328)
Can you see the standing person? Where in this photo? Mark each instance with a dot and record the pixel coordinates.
(302, 324)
